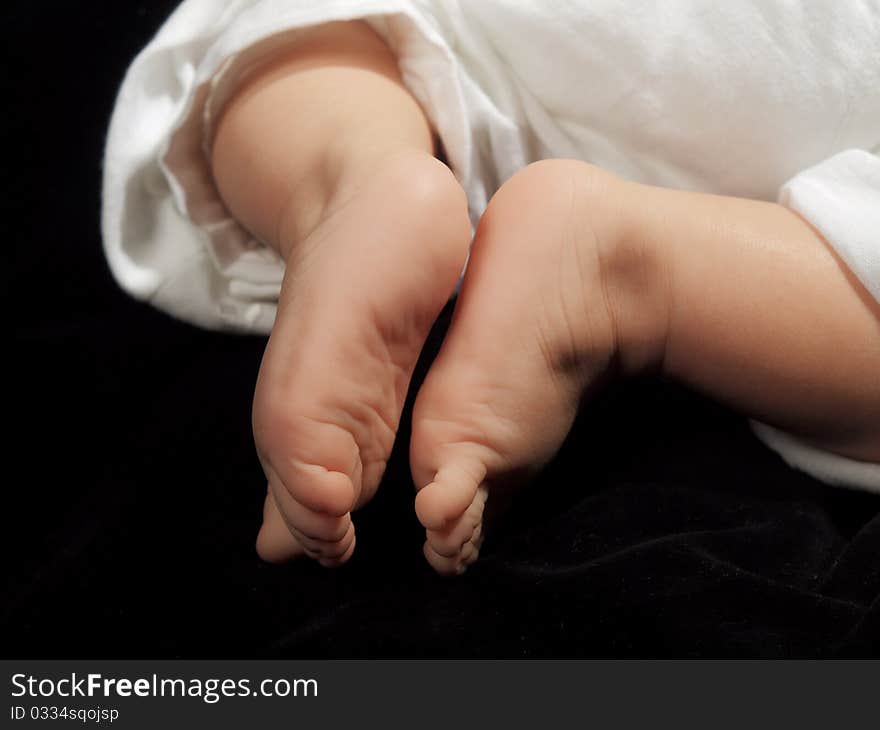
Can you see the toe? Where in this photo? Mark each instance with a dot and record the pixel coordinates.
(450, 494)
(314, 530)
(314, 525)
(323, 549)
(317, 461)
(336, 561)
(338, 548)
(319, 489)
(320, 536)
(455, 565)
(275, 543)
(450, 541)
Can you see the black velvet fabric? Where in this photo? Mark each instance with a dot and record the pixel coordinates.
(664, 528)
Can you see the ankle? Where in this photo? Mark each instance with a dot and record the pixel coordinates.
(618, 306)
(633, 272)
(412, 178)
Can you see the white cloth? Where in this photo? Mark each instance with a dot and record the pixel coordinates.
(759, 98)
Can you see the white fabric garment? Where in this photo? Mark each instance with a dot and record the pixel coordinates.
(769, 99)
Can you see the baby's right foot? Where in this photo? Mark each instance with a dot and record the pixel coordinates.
(359, 297)
(542, 315)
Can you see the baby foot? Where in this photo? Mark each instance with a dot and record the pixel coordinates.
(359, 297)
(540, 318)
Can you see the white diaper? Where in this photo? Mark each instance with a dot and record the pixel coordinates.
(742, 98)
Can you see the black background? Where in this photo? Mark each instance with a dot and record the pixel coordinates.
(132, 493)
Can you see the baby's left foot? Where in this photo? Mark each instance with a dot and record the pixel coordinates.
(542, 315)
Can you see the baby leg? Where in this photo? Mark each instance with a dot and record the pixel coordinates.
(325, 156)
(764, 316)
(576, 275)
